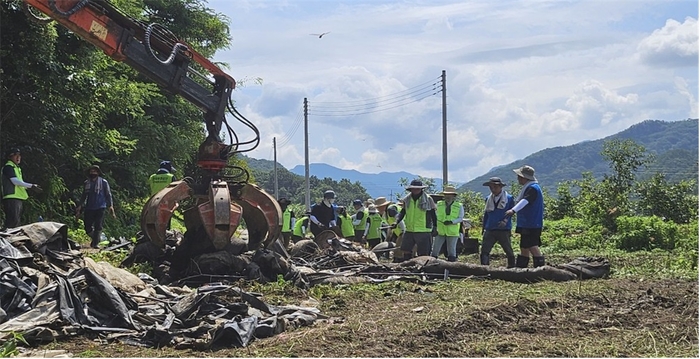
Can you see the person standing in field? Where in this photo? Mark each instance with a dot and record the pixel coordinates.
(323, 214)
(418, 214)
(529, 205)
(14, 189)
(449, 217)
(496, 224)
(96, 199)
(359, 220)
(288, 220)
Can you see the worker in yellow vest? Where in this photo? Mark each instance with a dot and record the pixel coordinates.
(449, 217)
(14, 189)
(288, 220)
(372, 233)
(301, 226)
(162, 177)
(359, 220)
(345, 223)
(418, 212)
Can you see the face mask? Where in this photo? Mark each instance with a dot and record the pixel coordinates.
(331, 200)
(93, 175)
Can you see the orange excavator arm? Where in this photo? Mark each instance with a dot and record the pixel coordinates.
(139, 45)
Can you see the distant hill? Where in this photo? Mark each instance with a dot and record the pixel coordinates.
(377, 184)
(675, 145)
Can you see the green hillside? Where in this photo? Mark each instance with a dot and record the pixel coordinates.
(674, 146)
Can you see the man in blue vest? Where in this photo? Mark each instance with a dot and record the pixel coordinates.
(162, 177)
(529, 205)
(496, 225)
(96, 199)
(14, 189)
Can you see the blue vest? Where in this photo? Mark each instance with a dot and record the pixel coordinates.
(531, 216)
(492, 218)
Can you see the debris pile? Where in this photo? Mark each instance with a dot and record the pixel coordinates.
(49, 291)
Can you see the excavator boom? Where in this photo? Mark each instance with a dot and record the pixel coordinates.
(155, 52)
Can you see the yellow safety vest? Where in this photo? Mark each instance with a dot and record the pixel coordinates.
(391, 220)
(19, 191)
(346, 227)
(287, 220)
(159, 181)
(300, 223)
(361, 226)
(375, 221)
(415, 218)
(451, 230)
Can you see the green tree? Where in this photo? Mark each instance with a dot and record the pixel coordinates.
(68, 105)
(674, 202)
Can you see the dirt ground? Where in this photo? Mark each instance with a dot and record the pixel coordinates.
(476, 318)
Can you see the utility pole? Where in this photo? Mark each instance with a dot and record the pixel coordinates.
(306, 154)
(444, 129)
(274, 148)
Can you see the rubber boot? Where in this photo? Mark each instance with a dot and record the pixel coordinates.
(511, 262)
(538, 261)
(485, 259)
(451, 259)
(95, 235)
(522, 261)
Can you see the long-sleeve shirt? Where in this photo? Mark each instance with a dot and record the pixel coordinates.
(96, 194)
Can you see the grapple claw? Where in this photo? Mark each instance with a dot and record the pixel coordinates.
(219, 215)
(262, 215)
(157, 212)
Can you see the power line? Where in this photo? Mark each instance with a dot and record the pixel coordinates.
(388, 98)
(379, 97)
(295, 126)
(330, 114)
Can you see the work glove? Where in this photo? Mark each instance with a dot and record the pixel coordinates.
(447, 223)
(37, 188)
(434, 233)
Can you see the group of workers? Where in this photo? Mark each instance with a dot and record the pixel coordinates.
(420, 224)
(95, 200)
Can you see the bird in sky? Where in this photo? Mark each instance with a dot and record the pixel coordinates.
(320, 35)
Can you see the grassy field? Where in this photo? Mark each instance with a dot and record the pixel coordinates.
(647, 308)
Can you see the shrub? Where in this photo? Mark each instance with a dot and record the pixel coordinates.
(572, 233)
(640, 233)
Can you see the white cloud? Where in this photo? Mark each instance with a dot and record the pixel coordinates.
(675, 44)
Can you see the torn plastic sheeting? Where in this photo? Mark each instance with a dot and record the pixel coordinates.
(237, 332)
(40, 234)
(9, 251)
(15, 294)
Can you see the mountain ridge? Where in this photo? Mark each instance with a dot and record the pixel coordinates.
(674, 143)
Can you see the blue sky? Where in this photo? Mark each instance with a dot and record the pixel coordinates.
(522, 76)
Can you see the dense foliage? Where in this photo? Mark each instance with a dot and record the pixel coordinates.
(67, 105)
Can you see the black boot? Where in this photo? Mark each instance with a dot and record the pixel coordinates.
(451, 259)
(538, 261)
(95, 235)
(511, 262)
(522, 261)
(485, 258)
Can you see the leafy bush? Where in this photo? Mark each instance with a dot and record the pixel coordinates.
(639, 233)
(572, 233)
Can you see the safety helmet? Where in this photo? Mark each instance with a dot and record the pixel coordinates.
(167, 165)
(328, 194)
(11, 152)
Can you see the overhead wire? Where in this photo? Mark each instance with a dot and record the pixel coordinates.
(368, 111)
(295, 126)
(432, 82)
(377, 104)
